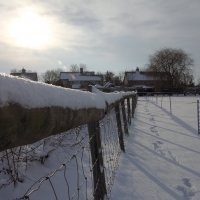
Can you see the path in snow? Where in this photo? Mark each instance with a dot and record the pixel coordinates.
(162, 159)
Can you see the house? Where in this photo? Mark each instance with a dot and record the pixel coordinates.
(80, 80)
(26, 75)
(142, 78)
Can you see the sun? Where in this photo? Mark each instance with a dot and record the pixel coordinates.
(30, 30)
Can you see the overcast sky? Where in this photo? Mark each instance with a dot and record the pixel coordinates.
(113, 35)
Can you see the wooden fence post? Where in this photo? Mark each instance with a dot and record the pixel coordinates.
(124, 118)
(133, 106)
(97, 159)
(129, 110)
(119, 126)
(198, 116)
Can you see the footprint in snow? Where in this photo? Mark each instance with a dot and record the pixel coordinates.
(188, 193)
(157, 145)
(173, 157)
(151, 119)
(187, 182)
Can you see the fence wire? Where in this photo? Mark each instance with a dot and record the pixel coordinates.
(74, 179)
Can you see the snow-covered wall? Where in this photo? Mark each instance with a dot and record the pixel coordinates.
(31, 94)
(31, 111)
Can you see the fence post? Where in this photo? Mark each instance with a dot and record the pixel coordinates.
(124, 117)
(119, 126)
(198, 115)
(129, 110)
(170, 104)
(97, 159)
(133, 105)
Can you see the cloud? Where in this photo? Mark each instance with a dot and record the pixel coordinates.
(107, 34)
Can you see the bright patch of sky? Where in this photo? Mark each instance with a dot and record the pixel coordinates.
(105, 35)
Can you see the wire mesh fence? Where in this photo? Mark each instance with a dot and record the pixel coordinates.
(175, 101)
(198, 122)
(89, 166)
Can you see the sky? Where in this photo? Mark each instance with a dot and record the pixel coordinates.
(113, 35)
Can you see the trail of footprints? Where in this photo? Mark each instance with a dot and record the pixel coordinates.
(160, 148)
(158, 145)
(187, 188)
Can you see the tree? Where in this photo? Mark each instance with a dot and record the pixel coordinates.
(121, 75)
(15, 70)
(171, 65)
(51, 76)
(108, 76)
(74, 68)
(198, 82)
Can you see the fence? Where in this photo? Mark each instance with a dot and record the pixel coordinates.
(155, 98)
(99, 138)
(198, 116)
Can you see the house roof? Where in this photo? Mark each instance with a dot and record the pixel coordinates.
(137, 76)
(77, 76)
(30, 76)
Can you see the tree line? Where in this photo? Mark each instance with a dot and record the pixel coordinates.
(53, 75)
(171, 66)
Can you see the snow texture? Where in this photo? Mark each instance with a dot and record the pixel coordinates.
(162, 156)
(31, 94)
(162, 152)
(137, 76)
(79, 77)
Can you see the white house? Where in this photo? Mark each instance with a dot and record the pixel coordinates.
(78, 80)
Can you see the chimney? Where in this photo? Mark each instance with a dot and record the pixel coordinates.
(23, 71)
(81, 70)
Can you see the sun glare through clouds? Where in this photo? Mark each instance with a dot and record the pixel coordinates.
(30, 30)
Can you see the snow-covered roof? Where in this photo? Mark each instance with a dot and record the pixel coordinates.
(137, 76)
(77, 76)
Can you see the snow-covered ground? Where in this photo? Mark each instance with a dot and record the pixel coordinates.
(161, 162)
(162, 159)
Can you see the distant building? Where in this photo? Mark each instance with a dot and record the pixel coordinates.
(80, 80)
(138, 78)
(26, 75)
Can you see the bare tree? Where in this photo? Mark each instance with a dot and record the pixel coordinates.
(121, 75)
(171, 65)
(83, 66)
(15, 70)
(51, 75)
(74, 68)
(198, 82)
(108, 76)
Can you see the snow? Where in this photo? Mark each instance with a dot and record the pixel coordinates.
(76, 76)
(162, 152)
(31, 94)
(138, 76)
(161, 159)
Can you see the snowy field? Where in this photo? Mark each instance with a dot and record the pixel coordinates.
(162, 159)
